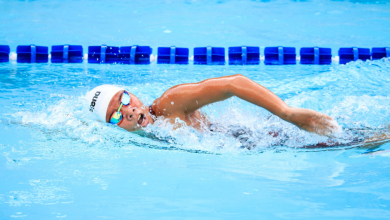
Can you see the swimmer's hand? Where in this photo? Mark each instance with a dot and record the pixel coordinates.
(312, 121)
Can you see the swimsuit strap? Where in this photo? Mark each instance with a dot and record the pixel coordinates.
(151, 111)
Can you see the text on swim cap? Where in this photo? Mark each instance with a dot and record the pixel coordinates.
(92, 106)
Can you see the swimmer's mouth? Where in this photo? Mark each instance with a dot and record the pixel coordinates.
(141, 118)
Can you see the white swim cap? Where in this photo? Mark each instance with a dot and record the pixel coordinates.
(99, 98)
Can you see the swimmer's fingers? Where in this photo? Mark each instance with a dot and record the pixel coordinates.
(313, 121)
(330, 127)
(322, 124)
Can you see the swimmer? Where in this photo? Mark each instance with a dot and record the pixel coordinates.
(115, 105)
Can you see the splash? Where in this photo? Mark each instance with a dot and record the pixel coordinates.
(231, 131)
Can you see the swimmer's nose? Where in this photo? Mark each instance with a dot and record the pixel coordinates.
(130, 112)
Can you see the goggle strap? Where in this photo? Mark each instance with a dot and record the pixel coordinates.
(119, 109)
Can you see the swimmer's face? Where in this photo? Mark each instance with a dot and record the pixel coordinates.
(135, 115)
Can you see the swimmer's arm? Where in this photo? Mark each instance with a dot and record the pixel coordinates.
(187, 98)
(193, 96)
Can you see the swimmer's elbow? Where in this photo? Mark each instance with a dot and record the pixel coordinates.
(238, 75)
(234, 82)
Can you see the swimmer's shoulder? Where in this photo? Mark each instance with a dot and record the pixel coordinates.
(171, 102)
(164, 106)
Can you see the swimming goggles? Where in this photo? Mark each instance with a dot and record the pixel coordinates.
(117, 117)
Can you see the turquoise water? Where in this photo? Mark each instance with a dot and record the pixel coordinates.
(56, 162)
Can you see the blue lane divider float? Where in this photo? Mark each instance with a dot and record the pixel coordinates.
(348, 54)
(202, 55)
(172, 55)
(67, 54)
(103, 54)
(380, 52)
(4, 53)
(135, 54)
(244, 55)
(279, 55)
(209, 55)
(316, 55)
(32, 54)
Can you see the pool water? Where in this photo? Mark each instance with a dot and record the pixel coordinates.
(57, 162)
